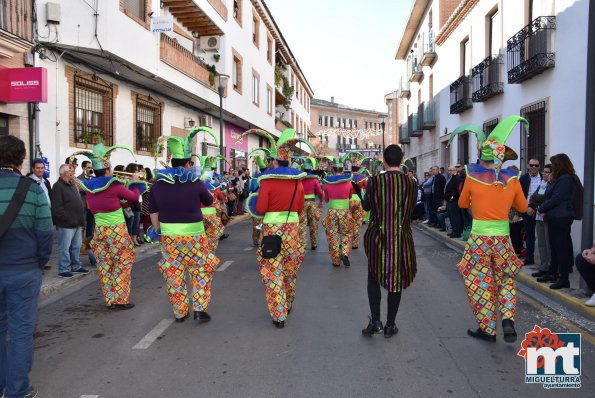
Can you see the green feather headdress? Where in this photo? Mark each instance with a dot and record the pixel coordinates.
(100, 155)
(181, 148)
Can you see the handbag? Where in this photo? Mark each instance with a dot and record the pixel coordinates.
(231, 196)
(271, 244)
(15, 204)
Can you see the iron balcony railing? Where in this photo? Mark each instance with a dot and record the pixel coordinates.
(486, 78)
(460, 95)
(404, 89)
(531, 50)
(416, 74)
(427, 115)
(404, 134)
(414, 127)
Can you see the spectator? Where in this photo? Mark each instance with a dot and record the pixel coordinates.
(541, 231)
(426, 187)
(145, 218)
(37, 170)
(241, 181)
(74, 164)
(87, 174)
(515, 225)
(438, 184)
(530, 182)
(465, 213)
(232, 197)
(451, 195)
(23, 253)
(443, 173)
(585, 263)
(559, 211)
(68, 214)
(132, 210)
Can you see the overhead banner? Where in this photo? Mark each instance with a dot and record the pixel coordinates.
(23, 85)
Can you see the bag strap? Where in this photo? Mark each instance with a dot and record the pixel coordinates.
(292, 198)
(18, 198)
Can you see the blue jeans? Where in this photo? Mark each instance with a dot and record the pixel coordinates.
(69, 243)
(19, 293)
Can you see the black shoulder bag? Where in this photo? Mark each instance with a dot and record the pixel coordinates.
(271, 244)
(15, 204)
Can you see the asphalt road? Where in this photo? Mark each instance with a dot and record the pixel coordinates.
(84, 350)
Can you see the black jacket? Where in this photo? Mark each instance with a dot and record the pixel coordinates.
(438, 187)
(559, 198)
(451, 191)
(67, 205)
(525, 181)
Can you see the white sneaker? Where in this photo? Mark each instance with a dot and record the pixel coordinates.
(591, 301)
(425, 222)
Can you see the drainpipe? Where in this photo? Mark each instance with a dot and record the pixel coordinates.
(589, 172)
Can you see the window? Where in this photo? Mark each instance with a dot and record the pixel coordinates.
(331, 125)
(465, 57)
(255, 88)
(3, 124)
(148, 123)
(237, 11)
(270, 49)
(236, 72)
(489, 126)
(255, 30)
(269, 100)
(494, 33)
(93, 110)
(138, 10)
(534, 146)
(319, 120)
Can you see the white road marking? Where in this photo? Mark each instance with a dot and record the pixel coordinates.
(248, 248)
(153, 334)
(224, 266)
(89, 396)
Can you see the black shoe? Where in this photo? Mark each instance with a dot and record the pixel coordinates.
(560, 284)
(529, 261)
(122, 306)
(345, 260)
(546, 278)
(374, 327)
(279, 324)
(355, 247)
(480, 334)
(202, 316)
(538, 274)
(224, 236)
(182, 319)
(390, 331)
(65, 275)
(508, 329)
(256, 243)
(313, 247)
(32, 393)
(442, 230)
(81, 271)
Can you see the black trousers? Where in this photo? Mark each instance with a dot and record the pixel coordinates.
(394, 299)
(562, 254)
(454, 213)
(586, 270)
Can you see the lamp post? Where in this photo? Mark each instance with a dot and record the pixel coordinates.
(222, 83)
(382, 117)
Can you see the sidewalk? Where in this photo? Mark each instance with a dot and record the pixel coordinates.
(574, 297)
(53, 286)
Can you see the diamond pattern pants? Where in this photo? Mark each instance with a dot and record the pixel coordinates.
(488, 268)
(214, 229)
(313, 214)
(338, 225)
(279, 274)
(357, 214)
(114, 252)
(191, 254)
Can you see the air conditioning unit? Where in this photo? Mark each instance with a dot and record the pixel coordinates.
(209, 43)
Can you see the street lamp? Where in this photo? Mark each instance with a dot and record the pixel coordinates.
(222, 83)
(382, 117)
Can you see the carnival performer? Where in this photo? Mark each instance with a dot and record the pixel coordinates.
(111, 243)
(390, 197)
(174, 204)
(338, 222)
(214, 228)
(489, 264)
(312, 211)
(355, 204)
(253, 188)
(279, 201)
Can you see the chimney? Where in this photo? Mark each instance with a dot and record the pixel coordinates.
(332, 99)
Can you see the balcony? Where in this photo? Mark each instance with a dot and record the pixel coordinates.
(427, 114)
(429, 55)
(404, 134)
(416, 75)
(180, 58)
(531, 51)
(486, 78)
(414, 128)
(404, 90)
(460, 95)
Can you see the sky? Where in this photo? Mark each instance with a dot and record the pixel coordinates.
(345, 48)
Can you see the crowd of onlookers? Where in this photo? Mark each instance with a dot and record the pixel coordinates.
(554, 193)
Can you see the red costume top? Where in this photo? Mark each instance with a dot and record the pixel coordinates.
(312, 186)
(275, 196)
(108, 200)
(342, 190)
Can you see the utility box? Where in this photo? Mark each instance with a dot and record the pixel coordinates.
(52, 12)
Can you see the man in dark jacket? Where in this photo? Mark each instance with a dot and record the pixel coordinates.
(24, 249)
(438, 185)
(530, 183)
(68, 213)
(451, 195)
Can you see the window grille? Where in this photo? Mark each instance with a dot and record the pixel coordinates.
(148, 124)
(93, 111)
(534, 146)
